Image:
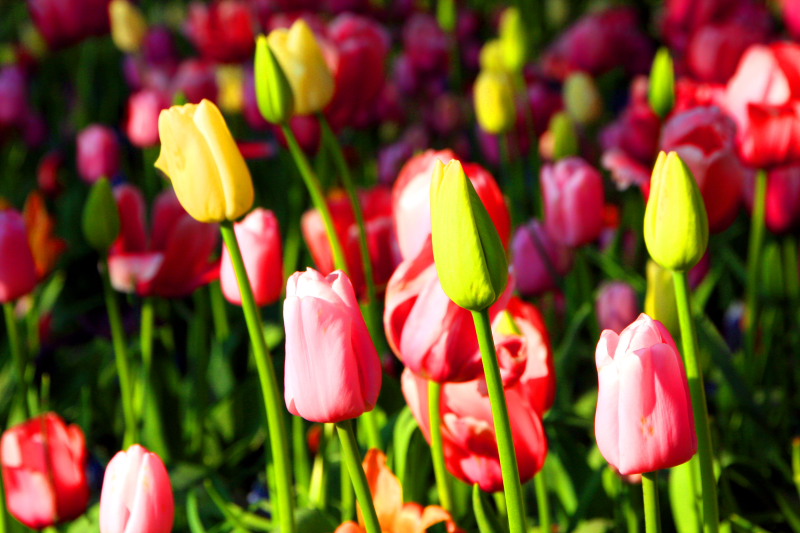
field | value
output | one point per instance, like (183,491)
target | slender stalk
(352,458)
(302,469)
(695,376)
(3,513)
(502,423)
(437,446)
(279,443)
(318,493)
(317,196)
(122,360)
(515,180)
(148,411)
(796,463)
(652,513)
(757,230)
(18,356)
(540,483)
(218,314)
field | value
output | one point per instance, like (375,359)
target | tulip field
(377,266)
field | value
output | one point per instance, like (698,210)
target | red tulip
(715,49)
(137,494)
(44,471)
(174,262)
(65,22)
(644,419)
(783,198)
(332,370)
(411,200)
(223,31)
(142,122)
(98,153)
(47,172)
(538,259)
(18,274)
(196,80)
(791,17)
(574,201)
(381,240)
(617,305)
(259,238)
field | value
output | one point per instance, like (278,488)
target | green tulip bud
(661,92)
(101,216)
(494,102)
(565,138)
(446,15)
(469,254)
(675,219)
(273,90)
(513,39)
(581,98)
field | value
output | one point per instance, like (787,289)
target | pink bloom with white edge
(332,370)
(644,420)
(137,494)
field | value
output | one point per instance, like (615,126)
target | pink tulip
(332,370)
(538,259)
(791,16)
(425,44)
(44,471)
(137,494)
(63,23)
(644,419)
(617,305)
(14,105)
(715,49)
(142,122)
(98,153)
(17,269)
(259,238)
(574,200)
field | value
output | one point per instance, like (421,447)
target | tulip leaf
(193,513)
(404,428)
(484,515)
(314,521)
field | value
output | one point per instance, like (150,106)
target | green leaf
(485,516)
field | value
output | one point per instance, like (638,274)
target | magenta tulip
(137,494)
(617,305)
(332,370)
(538,259)
(574,201)
(259,238)
(98,153)
(17,269)
(644,419)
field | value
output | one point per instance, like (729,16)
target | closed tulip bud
(300,56)
(101,217)
(137,494)
(644,420)
(469,254)
(513,39)
(675,220)
(491,57)
(583,102)
(565,138)
(661,92)
(574,201)
(273,91)
(617,305)
(98,153)
(230,88)
(659,300)
(446,14)
(332,370)
(494,102)
(201,158)
(128,25)
(18,268)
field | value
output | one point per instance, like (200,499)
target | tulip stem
(754,260)
(276,426)
(317,196)
(17,355)
(502,423)
(121,356)
(437,445)
(694,374)
(540,483)
(652,512)
(352,458)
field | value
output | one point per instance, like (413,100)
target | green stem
(652,513)
(146,337)
(3,513)
(269,385)
(796,463)
(218,314)
(502,423)
(515,180)
(122,360)
(317,196)
(302,470)
(695,376)
(437,445)
(352,458)
(18,356)
(543,502)
(757,231)
(318,493)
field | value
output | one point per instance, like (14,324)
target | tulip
(425,44)
(659,299)
(137,494)
(64,23)
(128,25)
(644,419)
(195,80)
(332,370)
(661,91)
(617,305)
(538,259)
(675,220)
(783,198)
(491,57)
(230,84)
(273,92)
(513,39)
(260,240)
(100,220)
(411,200)
(14,105)
(583,101)
(223,30)
(494,102)
(563,137)
(44,471)
(45,246)
(302,61)
(141,124)
(18,274)
(714,50)
(201,159)
(98,153)
(574,199)
(469,254)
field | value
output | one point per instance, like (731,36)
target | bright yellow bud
(302,61)
(491,58)
(230,83)
(675,219)
(128,26)
(201,158)
(513,39)
(494,102)
(469,254)
(582,100)
(659,300)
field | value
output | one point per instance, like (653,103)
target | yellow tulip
(494,102)
(201,158)
(513,39)
(491,57)
(230,80)
(302,61)
(128,26)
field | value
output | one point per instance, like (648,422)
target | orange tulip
(46,247)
